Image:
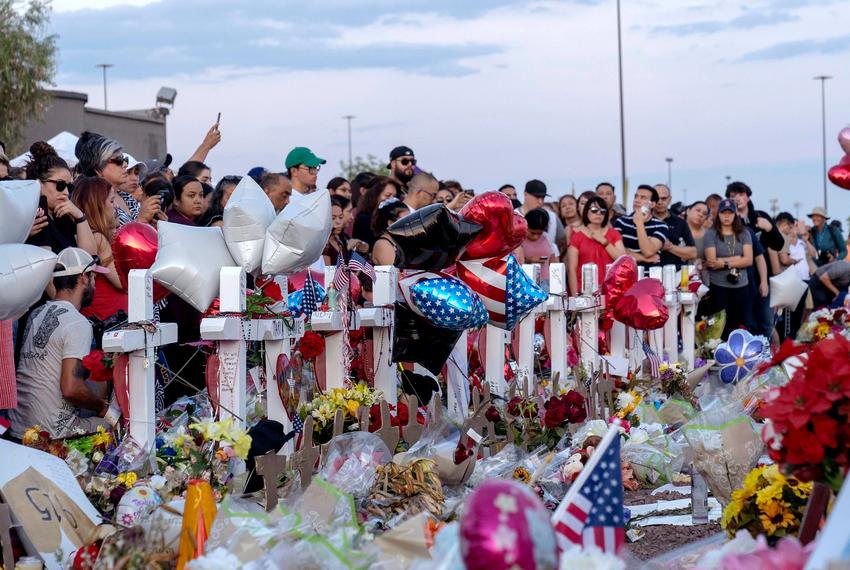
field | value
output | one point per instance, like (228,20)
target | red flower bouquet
(808,419)
(99,366)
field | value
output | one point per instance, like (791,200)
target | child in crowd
(535,249)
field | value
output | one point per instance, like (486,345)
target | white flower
(624,400)
(589,558)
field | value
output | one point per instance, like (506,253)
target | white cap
(74,261)
(133,163)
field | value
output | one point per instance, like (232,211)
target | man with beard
(51,379)
(402,165)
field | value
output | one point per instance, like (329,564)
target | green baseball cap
(303,155)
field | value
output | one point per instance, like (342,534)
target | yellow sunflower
(801,490)
(775,516)
(521,474)
(771,493)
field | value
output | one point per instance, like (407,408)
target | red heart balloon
(504,230)
(642,307)
(840,175)
(619,278)
(134,247)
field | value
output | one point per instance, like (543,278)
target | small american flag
(593,514)
(297,424)
(654,361)
(359,263)
(341,276)
(310,303)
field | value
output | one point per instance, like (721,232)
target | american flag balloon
(443,300)
(296,299)
(507,291)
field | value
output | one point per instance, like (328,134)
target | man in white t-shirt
(421,191)
(51,378)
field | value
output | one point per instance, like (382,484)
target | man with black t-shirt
(680,246)
(643,235)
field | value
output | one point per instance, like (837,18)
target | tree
(369,164)
(27,66)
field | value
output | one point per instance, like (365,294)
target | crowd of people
(735,247)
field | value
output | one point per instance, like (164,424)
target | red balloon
(618,279)
(642,307)
(504,230)
(134,247)
(845,159)
(840,175)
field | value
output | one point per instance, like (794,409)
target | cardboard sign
(47,502)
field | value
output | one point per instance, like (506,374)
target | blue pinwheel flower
(739,355)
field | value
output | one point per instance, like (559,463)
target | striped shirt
(655,228)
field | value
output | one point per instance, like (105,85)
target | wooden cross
(6,536)
(270,467)
(304,460)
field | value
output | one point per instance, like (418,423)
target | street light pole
(350,159)
(669,173)
(622,113)
(104,66)
(822,79)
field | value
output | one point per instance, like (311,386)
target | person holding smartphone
(63,223)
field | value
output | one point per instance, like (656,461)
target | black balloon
(431,238)
(415,339)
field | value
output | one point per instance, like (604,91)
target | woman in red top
(594,242)
(96,198)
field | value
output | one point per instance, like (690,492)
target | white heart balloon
(18,204)
(189,261)
(25,270)
(246,217)
(296,238)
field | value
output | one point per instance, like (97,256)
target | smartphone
(42,203)
(218,119)
(644,209)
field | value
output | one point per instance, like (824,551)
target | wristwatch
(80,220)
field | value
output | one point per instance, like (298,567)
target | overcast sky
(488,91)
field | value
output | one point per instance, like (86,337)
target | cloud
(746,21)
(797,48)
(188,36)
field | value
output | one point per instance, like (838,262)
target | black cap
(536,188)
(399,152)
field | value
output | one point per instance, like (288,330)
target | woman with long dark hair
(188,201)
(214,215)
(595,241)
(388,212)
(728,254)
(379,189)
(66,224)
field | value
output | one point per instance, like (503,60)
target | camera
(733,276)
(162,188)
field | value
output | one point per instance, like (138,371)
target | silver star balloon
(296,238)
(189,261)
(25,271)
(246,217)
(18,204)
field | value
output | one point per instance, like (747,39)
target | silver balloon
(25,271)
(296,238)
(246,217)
(189,261)
(18,204)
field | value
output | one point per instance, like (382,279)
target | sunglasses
(406,161)
(95,261)
(118,161)
(61,185)
(595,210)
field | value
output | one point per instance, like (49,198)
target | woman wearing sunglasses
(104,157)
(593,242)
(66,225)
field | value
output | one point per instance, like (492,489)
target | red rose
(556,413)
(94,363)
(517,407)
(492,414)
(461,454)
(312,344)
(272,291)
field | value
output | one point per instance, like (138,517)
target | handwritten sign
(47,502)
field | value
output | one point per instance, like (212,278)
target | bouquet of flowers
(99,365)
(707,334)
(674,380)
(626,404)
(324,407)
(821,324)
(206,450)
(808,419)
(533,426)
(768,503)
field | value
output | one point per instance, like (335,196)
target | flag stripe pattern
(654,361)
(595,515)
(358,263)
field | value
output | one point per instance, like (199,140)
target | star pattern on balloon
(523,294)
(448,303)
